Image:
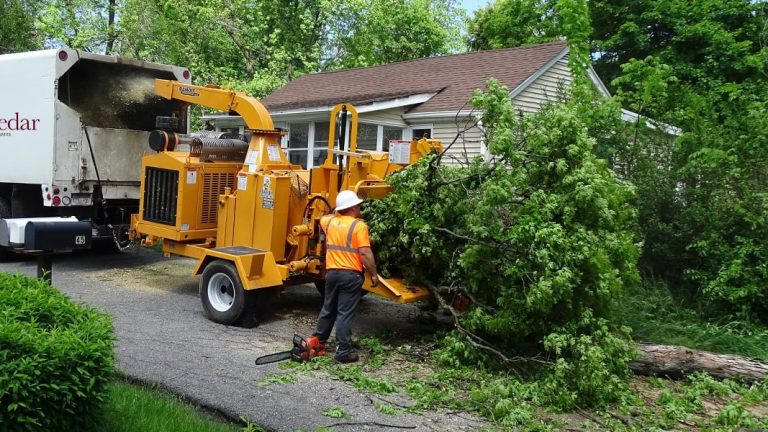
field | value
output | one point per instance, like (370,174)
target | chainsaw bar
(273,358)
(304,349)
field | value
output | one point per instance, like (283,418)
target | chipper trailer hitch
(248,215)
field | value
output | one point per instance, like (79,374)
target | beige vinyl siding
(467,147)
(546,88)
(392,116)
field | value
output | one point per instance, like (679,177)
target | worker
(348,255)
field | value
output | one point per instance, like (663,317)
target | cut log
(677,361)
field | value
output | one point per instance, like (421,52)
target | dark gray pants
(342,294)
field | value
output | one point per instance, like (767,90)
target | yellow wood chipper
(249,216)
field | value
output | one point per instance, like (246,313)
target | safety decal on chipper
(191,176)
(273,152)
(304,350)
(251,159)
(399,152)
(267,197)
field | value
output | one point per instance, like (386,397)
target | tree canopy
(702,67)
(510,23)
(255,45)
(372,32)
(18,30)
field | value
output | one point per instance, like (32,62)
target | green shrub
(56,357)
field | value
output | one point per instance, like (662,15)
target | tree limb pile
(677,361)
(669,361)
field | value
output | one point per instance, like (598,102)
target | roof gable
(453,78)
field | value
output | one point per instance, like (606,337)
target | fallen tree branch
(660,360)
(584,413)
(677,361)
(368,423)
(371,398)
(480,343)
(478,303)
(627,420)
(491,167)
(487,243)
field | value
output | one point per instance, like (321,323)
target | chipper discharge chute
(249,216)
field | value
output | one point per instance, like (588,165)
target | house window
(298,143)
(421,131)
(320,147)
(307,142)
(367,135)
(390,133)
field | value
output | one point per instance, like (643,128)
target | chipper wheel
(223,297)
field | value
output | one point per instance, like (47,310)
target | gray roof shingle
(454,78)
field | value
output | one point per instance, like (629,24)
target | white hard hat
(347,199)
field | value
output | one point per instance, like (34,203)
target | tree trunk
(111,34)
(677,361)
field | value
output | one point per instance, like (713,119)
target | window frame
(429,126)
(403,135)
(379,133)
(288,150)
(312,146)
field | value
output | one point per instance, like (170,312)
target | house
(411,99)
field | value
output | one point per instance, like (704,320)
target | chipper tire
(223,297)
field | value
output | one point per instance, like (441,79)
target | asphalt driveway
(163,338)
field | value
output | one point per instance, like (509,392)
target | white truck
(73,128)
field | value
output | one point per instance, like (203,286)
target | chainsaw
(304,349)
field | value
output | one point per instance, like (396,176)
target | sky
(472,5)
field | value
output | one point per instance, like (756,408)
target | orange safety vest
(344,236)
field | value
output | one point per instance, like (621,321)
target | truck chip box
(73,128)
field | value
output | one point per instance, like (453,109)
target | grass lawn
(133,408)
(656,315)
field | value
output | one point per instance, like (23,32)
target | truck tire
(5,212)
(223,297)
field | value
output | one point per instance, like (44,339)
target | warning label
(273,152)
(399,152)
(267,196)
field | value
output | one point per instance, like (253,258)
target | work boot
(350,357)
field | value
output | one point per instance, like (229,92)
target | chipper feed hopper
(249,216)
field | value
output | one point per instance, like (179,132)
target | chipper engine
(249,216)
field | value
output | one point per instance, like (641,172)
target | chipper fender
(230,279)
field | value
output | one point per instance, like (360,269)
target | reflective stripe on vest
(348,247)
